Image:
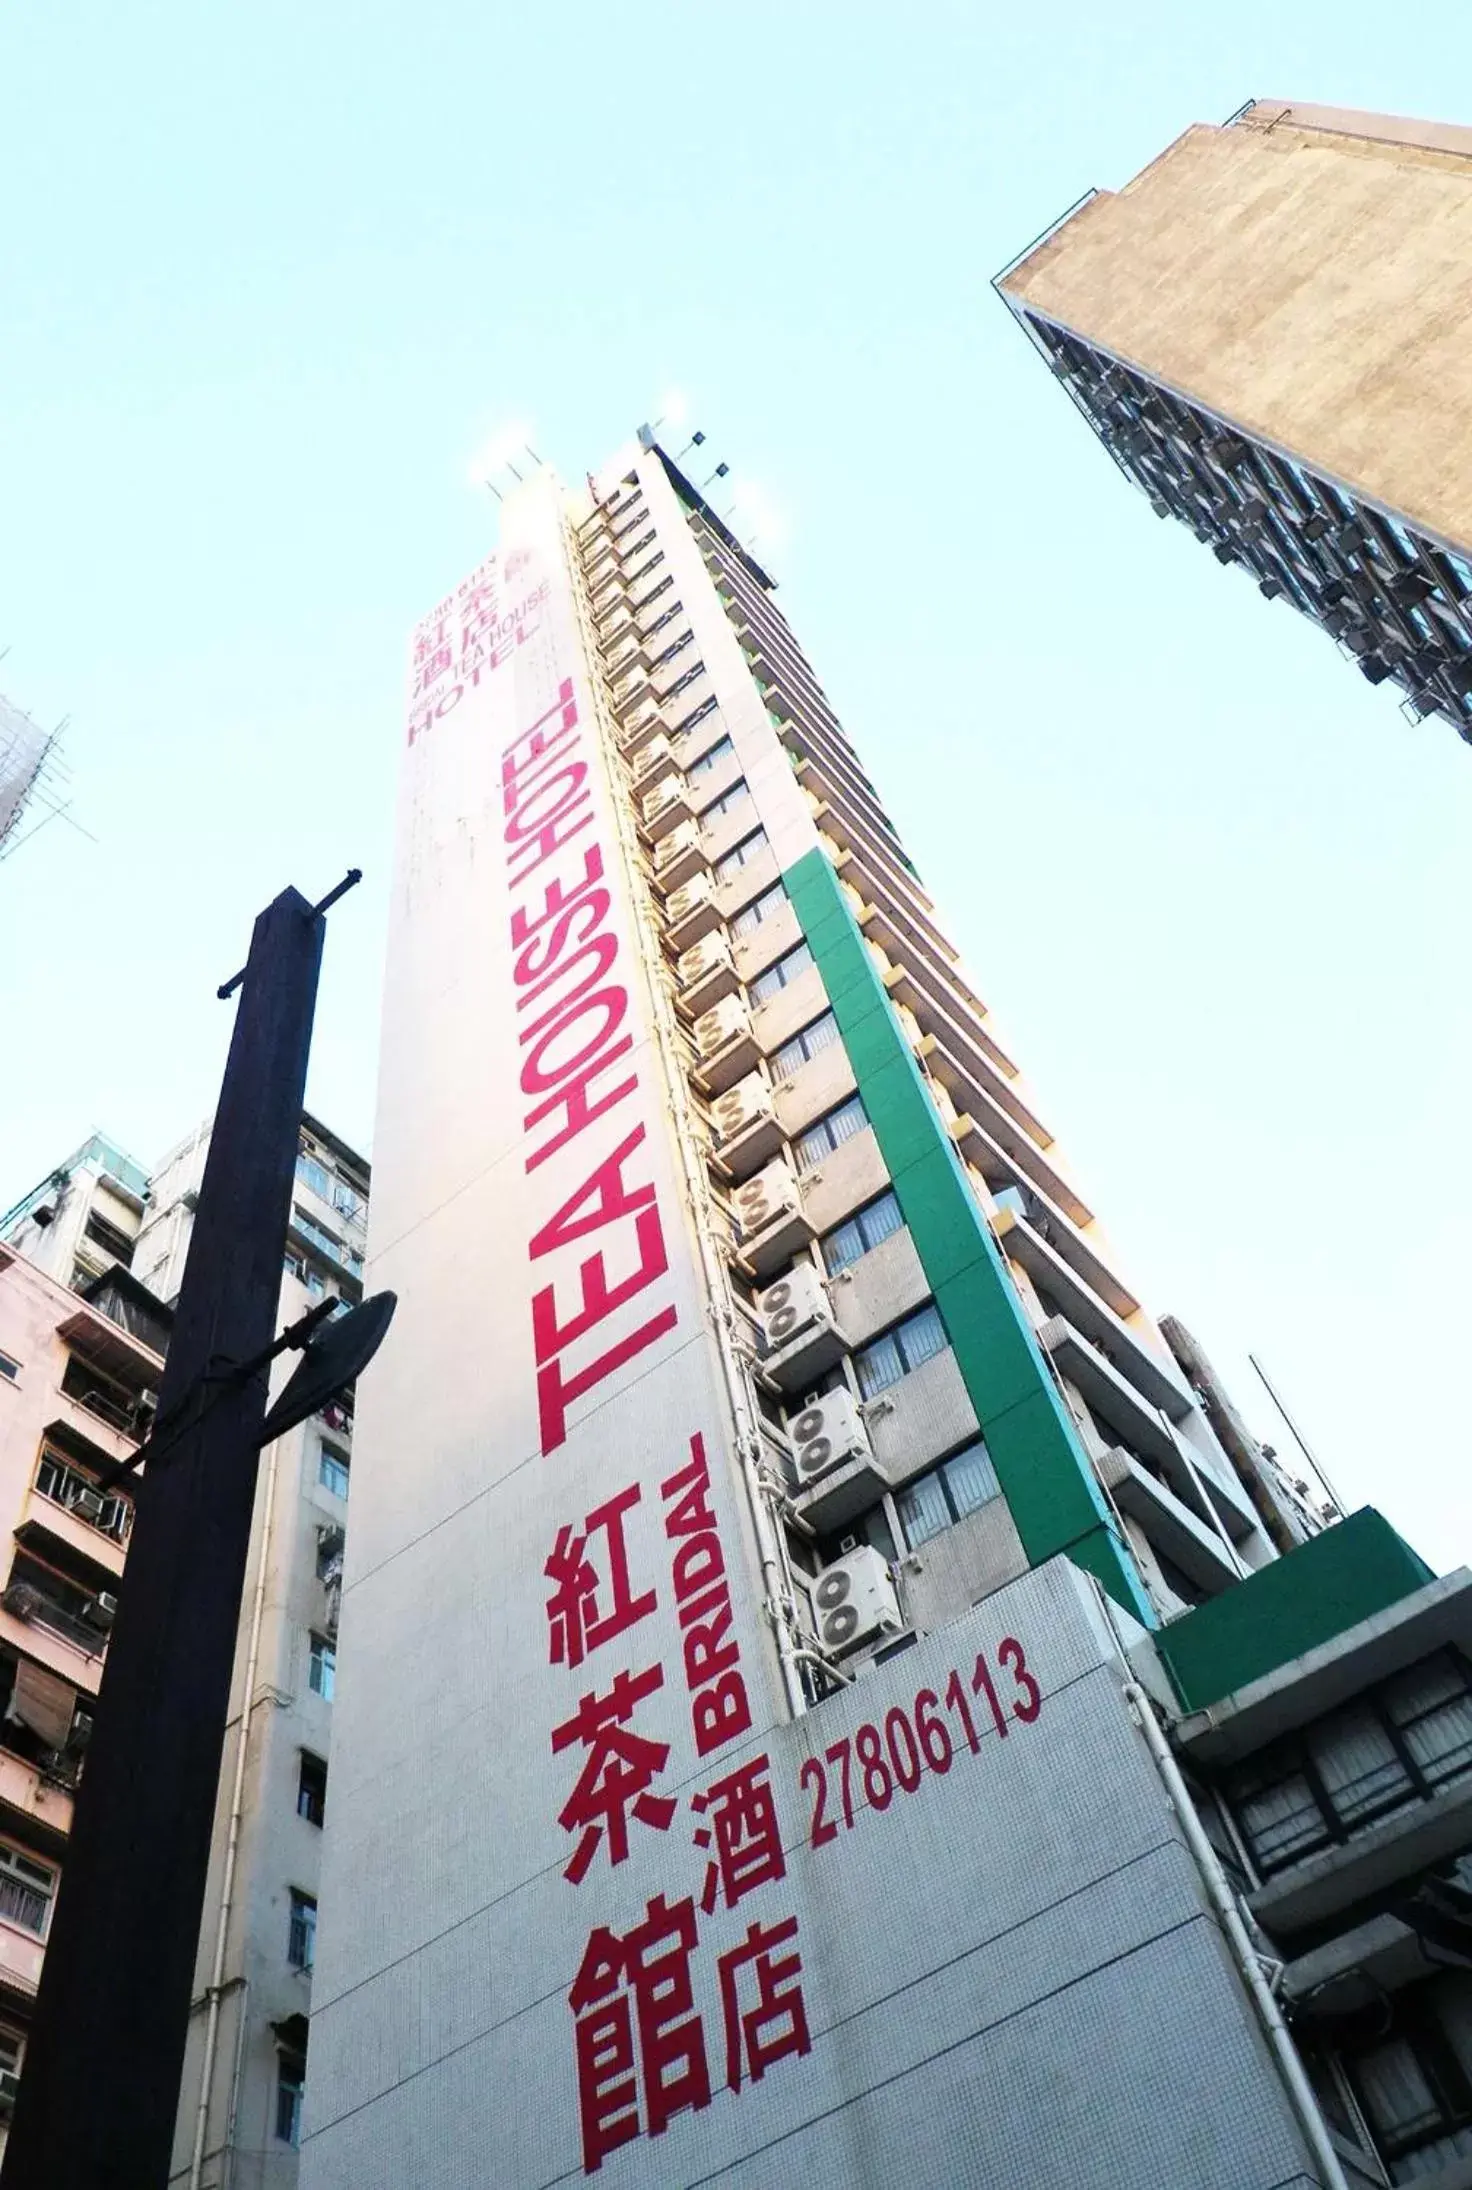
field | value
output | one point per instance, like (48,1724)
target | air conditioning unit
(706,973)
(748,1103)
(727,1049)
(720,1025)
(747,1131)
(826,1435)
(772,1194)
(81,1732)
(103,1609)
(684,837)
(793,1305)
(770,1217)
(658,754)
(90,1504)
(702,958)
(854,1602)
(802,1336)
(690,911)
(666,806)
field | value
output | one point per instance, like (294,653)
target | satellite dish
(340,1351)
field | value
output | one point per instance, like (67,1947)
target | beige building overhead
(1269,328)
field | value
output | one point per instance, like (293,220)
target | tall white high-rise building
(831,1691)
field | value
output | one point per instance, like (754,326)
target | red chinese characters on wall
(675,2006)
(473,632)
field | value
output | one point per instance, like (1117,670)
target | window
(652,595)
(720,807)
(1394,1745)
(666,616)
(332,1469)
(636,576)
(322,1668)
(798,1048)
(311,1789)
(9,1368)
(740,854)
(102,1394)
(108,1237)
(945,1495)
(829,1132)
(290,2077)
(696,714)
(1413,2079)
(683,683)
(27,1889)
(889,1358)
(315,1175)
(67,1486)
(301,1937)
(676,646)
(712,757)
(858,1233)
(777,976)
(297,1266)
(761,908)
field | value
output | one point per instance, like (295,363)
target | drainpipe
(1232,1433)
(1219,1893)
(232,1843)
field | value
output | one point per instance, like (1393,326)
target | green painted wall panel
(1041,1465)
(1296,1603)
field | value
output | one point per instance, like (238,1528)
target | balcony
(1395,1850)
(60,1532)
(984,1133)
(39,1626)
(109,1347)
(1153,1376)
(1112,1397)
(665,807)
(638,727)
(655,761)
(876,861)
(1196,1549)
(31,1792)
(21,1956)
(1061,1234)
(631,693)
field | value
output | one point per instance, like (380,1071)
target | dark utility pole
(104,2061)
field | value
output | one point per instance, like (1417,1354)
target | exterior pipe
(232,1844)
(1219,1893)
(697,1190)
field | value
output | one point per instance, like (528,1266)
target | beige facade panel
(1306,275)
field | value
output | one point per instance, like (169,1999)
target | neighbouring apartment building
(1267,328)
(832,1690)
(90,1263)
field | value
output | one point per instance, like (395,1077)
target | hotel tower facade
(808,1633)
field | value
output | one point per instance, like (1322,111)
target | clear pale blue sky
(271,275)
